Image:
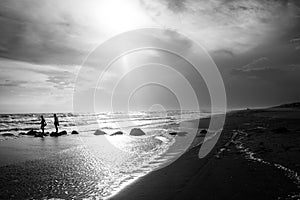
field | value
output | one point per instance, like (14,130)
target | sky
(44,46)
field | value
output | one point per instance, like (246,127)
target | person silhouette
(43,124)
(56,123)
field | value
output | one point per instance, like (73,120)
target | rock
(117,133)
(203,131)
(22,133)
(7,134)
(63,133)
(137,132)
(39,134)
(74,132)
(31,132)
(54,134)
(280,130)
(99,132)
(173,133)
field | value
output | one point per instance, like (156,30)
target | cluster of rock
(133,132)
(52,134)
(140,132)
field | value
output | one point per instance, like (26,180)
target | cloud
(262,69)
(261,73)
(27,77)
(296,42)
(25,87)
(44,32)
(260,63)
(62,32)
(43,42)
(10,83)
(236,26)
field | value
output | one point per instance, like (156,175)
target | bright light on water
(86,165)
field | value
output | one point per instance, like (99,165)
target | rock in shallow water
(117,133)
(31,132)
(99,132)
(74,132)
(63,133)
(54,134)
(137,132)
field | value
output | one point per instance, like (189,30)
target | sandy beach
(255,158)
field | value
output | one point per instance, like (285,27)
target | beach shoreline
(240,166)
(255,147)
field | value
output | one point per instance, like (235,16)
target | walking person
(43,124)
(56,123)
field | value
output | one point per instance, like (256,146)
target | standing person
(43,124)
(56,123)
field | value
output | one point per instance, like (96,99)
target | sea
(83,166)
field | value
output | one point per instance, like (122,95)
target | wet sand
(73,166)
(256,157)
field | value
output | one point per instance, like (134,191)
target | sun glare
(120,15)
